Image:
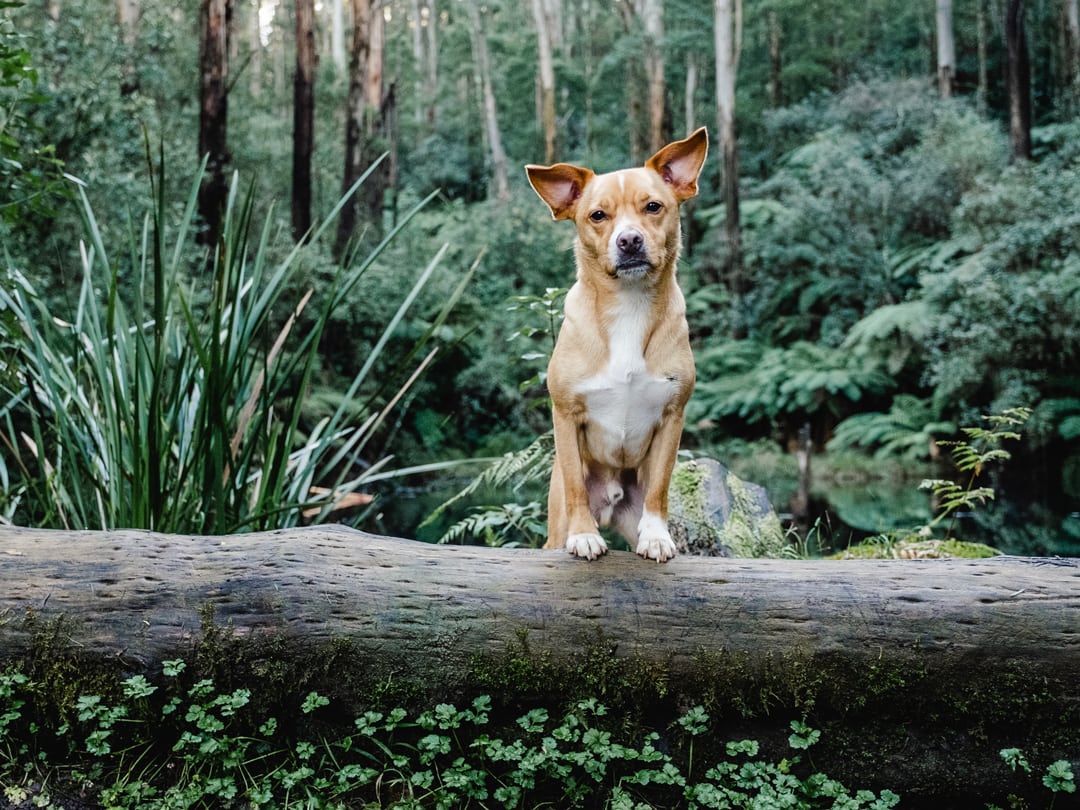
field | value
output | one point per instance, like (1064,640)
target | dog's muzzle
(631,258)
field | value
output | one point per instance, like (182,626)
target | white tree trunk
(652,19)
(727,18)
(547,78)
(946,48)
(499,169)
(337,35)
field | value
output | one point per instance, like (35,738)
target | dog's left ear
(680,163)
(559,186)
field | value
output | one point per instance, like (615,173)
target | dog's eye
(653,207)
(597,216)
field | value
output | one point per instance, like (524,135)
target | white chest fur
(624,402)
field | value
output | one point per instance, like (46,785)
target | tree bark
(547,79)
(1018,81)
(727,17)
(360,121)
(913,656)
(946,48)
(303,117)
(337,35)
(213,113)
(652,18)
(982,91)
(776,64)
(499,165)
(1072,56)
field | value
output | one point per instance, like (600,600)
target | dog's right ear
(560,186)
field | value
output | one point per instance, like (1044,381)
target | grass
(172,398)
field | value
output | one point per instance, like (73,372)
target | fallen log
(919,670)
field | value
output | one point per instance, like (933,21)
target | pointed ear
(680,163)
(559,186)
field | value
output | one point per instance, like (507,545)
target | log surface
(138,595)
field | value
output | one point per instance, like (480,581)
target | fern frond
(519,468)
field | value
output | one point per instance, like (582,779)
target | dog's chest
(624,402)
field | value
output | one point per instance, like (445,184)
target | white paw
(654,539)
(589,546)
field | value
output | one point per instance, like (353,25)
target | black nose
(630,242)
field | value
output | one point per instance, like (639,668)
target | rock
(713,512)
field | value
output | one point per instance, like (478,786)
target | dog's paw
(654,539)
(587,546)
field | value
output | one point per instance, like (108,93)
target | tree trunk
(127,18)
(337,35)
(727,16)
(356,117)
(547,79)
(499,171)
(1072,54)
(946,48)
(255,70)
(690,111)
(935,665)
(982,92)
(776,64)
(1018,81)
(652,18)
(213,114)
(303,117)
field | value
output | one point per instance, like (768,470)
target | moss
(912,548)
(752,529)
(751,532)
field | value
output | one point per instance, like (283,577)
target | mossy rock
(713,512)
(913,549)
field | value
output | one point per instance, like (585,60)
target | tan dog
(622,369)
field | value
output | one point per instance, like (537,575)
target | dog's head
(627,221)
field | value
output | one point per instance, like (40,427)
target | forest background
(885,247)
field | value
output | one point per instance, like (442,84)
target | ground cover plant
(186,744)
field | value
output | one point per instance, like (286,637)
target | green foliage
(30,172)
(1058,777)
(910,430)
(195,746)
(982,447)
(753,382)
(181,410)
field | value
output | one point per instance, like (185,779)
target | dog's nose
(630,242)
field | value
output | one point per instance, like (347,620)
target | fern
(533,463)
(508,525)
(908,430)
(972,456)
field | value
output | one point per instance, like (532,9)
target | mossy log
(919,668)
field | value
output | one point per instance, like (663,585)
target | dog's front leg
(653,537)
(570,522)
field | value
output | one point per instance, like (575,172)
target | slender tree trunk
(500,176)
(1018,81)
(432,31)
(690,117)
(417,31)
(377,124)
(52,8)
(547,79)
(337,35)
(303,117)
(255,43)
(127,17)
(354,120)
(652,18)
(213,113)
(635,81)
(982,91)
(1072,51)
(946,48)
(728,35)
(776,39)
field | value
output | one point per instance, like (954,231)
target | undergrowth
(189,745)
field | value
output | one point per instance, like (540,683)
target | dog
(622,370)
